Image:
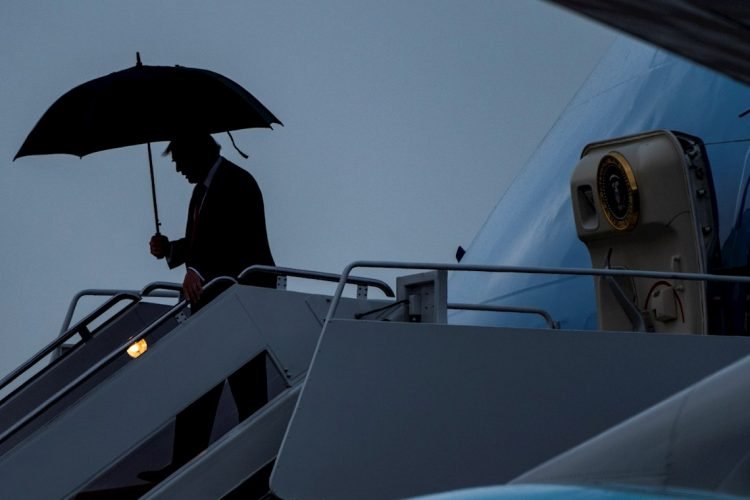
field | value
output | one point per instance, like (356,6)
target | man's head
(193,155)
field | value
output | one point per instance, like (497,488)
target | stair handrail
(105,292)
(104,361)
(570,271)
(80,327)
(169,289)
(318,276)
(511,309)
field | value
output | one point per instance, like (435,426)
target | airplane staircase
(392,409)
(27,389)
(367,398)
(89,434)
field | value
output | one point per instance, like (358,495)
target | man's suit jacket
(229,233)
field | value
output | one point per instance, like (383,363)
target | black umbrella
(144,104)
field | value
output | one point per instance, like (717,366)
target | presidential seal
(618,191)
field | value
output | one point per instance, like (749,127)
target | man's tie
(199,192)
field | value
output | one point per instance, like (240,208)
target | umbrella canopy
(143,104)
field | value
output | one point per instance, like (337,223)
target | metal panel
(235,457)
(61,372)
(108,418)
(291,322)
(132,403)
(393,410)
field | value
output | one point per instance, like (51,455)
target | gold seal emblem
(618,191)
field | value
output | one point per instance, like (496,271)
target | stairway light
(137,348)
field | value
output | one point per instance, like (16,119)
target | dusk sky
(404,122)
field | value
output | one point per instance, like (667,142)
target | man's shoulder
(233,175)
(230,169)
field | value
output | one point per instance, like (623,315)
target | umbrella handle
(153,189)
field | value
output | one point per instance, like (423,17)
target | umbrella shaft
(153,189)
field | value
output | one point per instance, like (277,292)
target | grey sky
(404,122)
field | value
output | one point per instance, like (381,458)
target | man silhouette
(226,227)
(225,233)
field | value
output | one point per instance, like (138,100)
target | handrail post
(339,291)
(71,309)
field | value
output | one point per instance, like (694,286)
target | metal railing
(79,328)
(156,289)
(149,290)
(82,326)
(522,270)
(510,309)
(343,279)
(160,289)
(120,350)
(318,276)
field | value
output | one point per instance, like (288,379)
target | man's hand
(159,246)
(191,286)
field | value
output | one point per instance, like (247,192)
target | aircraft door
(647,202)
